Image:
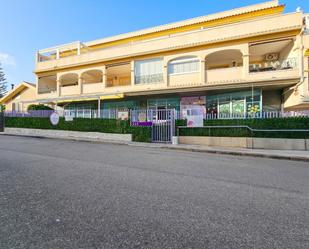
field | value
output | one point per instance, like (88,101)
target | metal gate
(1,121)
(162,122)
(163,125)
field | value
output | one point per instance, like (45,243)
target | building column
(57,54)
(245,61)
(99,107)
(165,71)
(78,48)
(37,86)
(301,64)
(132,73)
(165,75)
(80,84)
(203,72)
(246,65)
(58,86)
(104,79)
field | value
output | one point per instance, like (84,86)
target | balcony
(69,90)
(92,81)
(274,59)
(118,81)
(85,55)
(224,75)
(47,86)
(149,79)
(46,90)
(118,75)
(93,88)
(276,65)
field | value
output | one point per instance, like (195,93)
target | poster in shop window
(195,116)
(187,103)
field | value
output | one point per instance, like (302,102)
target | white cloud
(7,59)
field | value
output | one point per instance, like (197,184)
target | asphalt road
(67,194)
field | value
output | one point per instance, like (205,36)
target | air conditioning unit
(272,57)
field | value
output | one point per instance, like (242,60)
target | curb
(171,147)
(249,154)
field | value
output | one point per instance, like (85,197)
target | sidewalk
(295,155)
(275,154)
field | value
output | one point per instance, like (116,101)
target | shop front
(234,105)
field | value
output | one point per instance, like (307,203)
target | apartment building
(241,61)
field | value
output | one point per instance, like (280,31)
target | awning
(81,99)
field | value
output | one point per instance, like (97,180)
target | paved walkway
(275,154)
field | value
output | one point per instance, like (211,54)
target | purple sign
(145,123)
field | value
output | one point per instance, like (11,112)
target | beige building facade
(245,60)
(20,97)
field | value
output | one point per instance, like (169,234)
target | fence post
(1,121)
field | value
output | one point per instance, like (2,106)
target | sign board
(123,115)
(188,103)
(195,116)
(199,100)
(68,118)
(54,118)
(142,117)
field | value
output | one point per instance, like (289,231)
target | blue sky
(27,26)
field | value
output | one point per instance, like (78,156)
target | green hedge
(38,107)
(139,134)
(275,123)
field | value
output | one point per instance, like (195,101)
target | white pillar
(37,58)
(104,76)
(58,86)
(245,61)
(246,65)
(132,73)
(99,107)
(78,48)
(165,75)
(80,84)
(37,85)
(57,54)
(203,72)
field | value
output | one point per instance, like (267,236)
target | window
(184,65)
(235,104)
(149,71)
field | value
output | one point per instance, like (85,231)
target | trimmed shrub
(267,124)
(38,107)
(139,134)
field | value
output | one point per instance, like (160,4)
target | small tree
(3,89)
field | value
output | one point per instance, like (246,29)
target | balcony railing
(70,90)
(150,78)
(286,64)
(43,90)
(121,82)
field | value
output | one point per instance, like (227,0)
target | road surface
(69,194)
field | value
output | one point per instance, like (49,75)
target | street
(80,195)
